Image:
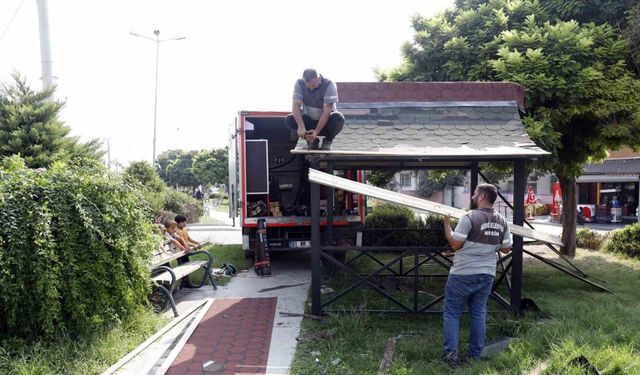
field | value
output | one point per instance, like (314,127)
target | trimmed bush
(625,241)
(181,203)
(74,250)
(429,232)
(589,239)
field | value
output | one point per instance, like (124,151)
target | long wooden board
(416,203)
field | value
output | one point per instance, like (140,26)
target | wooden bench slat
(180,271)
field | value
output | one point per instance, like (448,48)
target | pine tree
(30,127)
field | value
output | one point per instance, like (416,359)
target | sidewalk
(289,284)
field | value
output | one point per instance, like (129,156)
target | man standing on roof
(317,96)
(479,235)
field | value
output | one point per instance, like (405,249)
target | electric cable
(12,19)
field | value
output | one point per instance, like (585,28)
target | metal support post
(330,208)
(474,180)
(519,185)
(316,281)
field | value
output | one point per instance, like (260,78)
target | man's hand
(311,135)
(505,250)
(447,221)
(302,132)
(448,233)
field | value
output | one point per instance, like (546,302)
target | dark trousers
(331,129)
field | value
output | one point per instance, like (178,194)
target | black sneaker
(313,145)
(450,359)
(326,145)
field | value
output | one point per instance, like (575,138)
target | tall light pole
(45,43)
(157,40)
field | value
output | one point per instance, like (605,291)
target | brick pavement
(234,333)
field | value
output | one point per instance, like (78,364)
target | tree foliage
(142,172)
(433,181)
(74,249)
(175,167)
(211,167)
(30,127)
(583,97)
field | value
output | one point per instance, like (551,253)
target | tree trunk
(569,208)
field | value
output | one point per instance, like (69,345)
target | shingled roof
(433,119)
(627,166)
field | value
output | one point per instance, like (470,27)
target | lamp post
(157,40)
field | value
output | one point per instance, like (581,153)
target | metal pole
(474,180)
(316,303)
(520,180)
(45,43)
(155,101)
(330,208)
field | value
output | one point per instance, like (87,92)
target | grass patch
(602,327)
(223,206)
(223,254)
(81,356)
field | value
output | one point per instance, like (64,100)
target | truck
(267,181)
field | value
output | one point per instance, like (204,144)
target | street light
(157,40)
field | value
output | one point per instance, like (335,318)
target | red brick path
(234,333)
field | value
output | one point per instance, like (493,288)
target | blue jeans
(461,290)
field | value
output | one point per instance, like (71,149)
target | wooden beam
(416,203)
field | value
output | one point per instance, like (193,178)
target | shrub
(74,250)
(589,239)
(429,232)
(182,203)
(625,241)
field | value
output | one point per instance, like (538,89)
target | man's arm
(507,241)
(297,115)
(191,240)
(326,112)
(448,233)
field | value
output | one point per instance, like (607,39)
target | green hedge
(625,241)
(181,203)
(429,232)
(589,239)
(74,250)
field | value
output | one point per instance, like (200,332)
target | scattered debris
(315,353)
(211,367)
(279,287)
(540,368)
(314,317)
(584,363)
(544,321)
(326,290)
(314,335)
(496,346)
(336,361)
(387,357)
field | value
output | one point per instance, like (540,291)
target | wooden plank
(151,339)
(185,337)
(166,259)
(180,271)
(416,203)
(387,356)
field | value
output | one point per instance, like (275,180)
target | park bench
(167,278)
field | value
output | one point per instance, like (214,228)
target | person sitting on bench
(181,221)
(170,233)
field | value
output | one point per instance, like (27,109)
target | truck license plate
(299,244)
